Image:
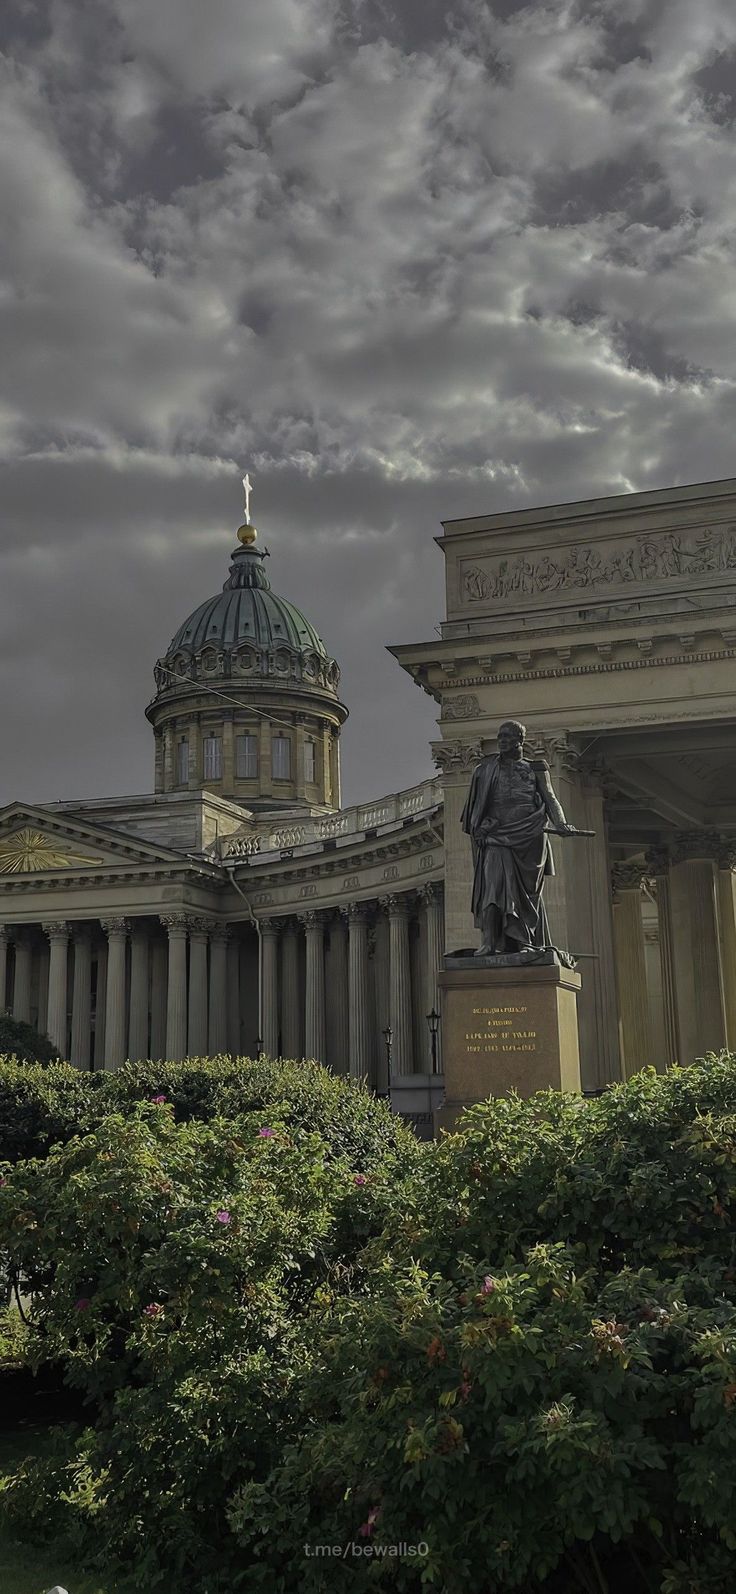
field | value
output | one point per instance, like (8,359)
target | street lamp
(433,1020)
(388,1036)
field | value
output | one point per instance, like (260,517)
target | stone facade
(197,919)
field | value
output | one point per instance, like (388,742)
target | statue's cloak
(511,861)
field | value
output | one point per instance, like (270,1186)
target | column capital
(554,748)
(270,926)
(695,845)
(398,905)
(175,923)
(726,854)
(456,757)
(219,932)
(629,875)
(5,932)
(56,928)
(312,919)
(658,860)
(356,912)
(199,925)
(433,892)
(116,926)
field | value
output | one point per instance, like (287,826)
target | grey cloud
(404,268)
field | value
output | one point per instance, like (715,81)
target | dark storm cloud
(401,260)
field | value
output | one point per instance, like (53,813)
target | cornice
(555,674)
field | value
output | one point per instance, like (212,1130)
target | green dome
(247,611)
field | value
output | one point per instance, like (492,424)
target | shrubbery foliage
(19,1039)
(516,1347)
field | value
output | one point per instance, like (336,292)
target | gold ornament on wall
(27,851)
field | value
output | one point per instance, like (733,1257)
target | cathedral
(241,908)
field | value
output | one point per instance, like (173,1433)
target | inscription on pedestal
(507,1029)
(500,1028)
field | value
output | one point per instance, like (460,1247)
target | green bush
(18,1039)
(41,1107)
(517,1348)
(172,1270)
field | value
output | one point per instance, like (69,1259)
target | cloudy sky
(403,260)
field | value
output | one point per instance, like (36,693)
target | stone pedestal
(504,1029)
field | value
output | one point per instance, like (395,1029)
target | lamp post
(433,1020)
(388,1036)
(259,1044)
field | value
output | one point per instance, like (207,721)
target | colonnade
(350,987)
(674,913)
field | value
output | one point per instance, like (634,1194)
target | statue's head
(511,737)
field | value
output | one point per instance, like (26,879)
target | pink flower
(152,1310)
(360,1178)
(3,1181)
(266,1134)
(223,1216)
(82,1304)
(367,1527)
(488,1285)
(158,1100)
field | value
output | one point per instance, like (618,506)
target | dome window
(246,756)
(212,757)
(182,762)
(310,763)
(281,758)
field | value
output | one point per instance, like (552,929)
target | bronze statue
(510,810)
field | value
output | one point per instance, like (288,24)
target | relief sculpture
(650,558)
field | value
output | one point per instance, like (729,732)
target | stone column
(82,997)
(358,1010)
(726,887)
(265,775)
(44,962)
(115,1025)
(217,1031)
(4,938)
(290,1015)
(402,1059)
(314,930)
(22,981)
(169,771)
(138,1027)
(269,1021)
(233,995)
(196,769)
(228,752)
(382,1007)
(176,1000)
(58,934)
(98,1055)
(698,976)
(432,898)
(456,760)
(197,1026)
(658,866)
(579,907)
(634,1024)
(158,761)
(159,980)
(337,1011)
